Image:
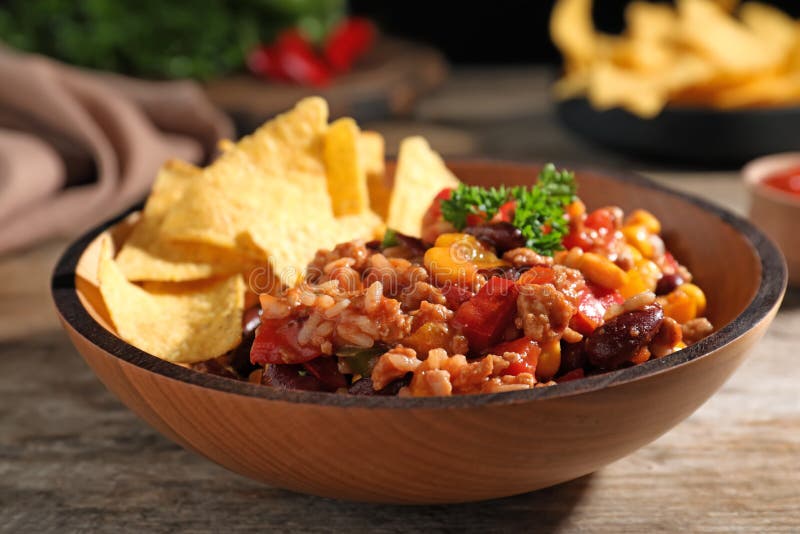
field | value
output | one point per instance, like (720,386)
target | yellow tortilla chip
(573,32)
(771,24)
(347,177)
(147,255)
(420,176)
(181,323)
(723,40)
(371,150)
(646,21)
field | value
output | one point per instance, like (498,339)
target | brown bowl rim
(768,295)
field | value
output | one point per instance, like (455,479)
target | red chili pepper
(486,316)
(299,61)
(276,342)
(264,61)
(524,346)
(348,42)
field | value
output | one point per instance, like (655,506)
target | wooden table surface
(72,458)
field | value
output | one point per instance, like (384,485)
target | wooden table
(73,458)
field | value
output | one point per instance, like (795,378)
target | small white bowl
(776,212)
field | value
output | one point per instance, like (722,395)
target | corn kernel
(697,295)
(650,273)
(602,271)
(638,236)
(634,252)
(444,267)
(634,285)
(646,219)
(679,306)
(549,361)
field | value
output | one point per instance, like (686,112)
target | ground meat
(569,281)
(668,335)
(696,329)
(525,257)
(398,276)
(354,253)
(543,312)
(419,293)
(393,365)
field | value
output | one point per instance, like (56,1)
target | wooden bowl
(776,212)
(456,449)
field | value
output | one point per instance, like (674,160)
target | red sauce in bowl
(787,181)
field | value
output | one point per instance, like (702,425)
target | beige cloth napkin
(78,146)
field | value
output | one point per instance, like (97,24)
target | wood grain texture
(73,458)
(448,450)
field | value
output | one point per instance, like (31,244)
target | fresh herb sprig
(468,200)
(539,212)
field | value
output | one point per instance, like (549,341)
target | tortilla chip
(573,32)
(347,177)
(421,175)
(723,40)
(148,255)
(181,323)
(371,150)
(646,21)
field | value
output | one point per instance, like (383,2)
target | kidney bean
(502,236)
(413,244)
(573,356)
(668,283)
(618,340)
(364,387)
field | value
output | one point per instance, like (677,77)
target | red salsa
(787,180)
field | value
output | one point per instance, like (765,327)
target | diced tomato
(602,222)
(592,306)
(475,219)
(577,237)
(456,295)
(349,41)
(326,370)
(524,346)
(505,213)
(276,342)
(485,316)
(572,375)
(538,274)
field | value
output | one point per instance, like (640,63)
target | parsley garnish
(469,199)
(539,213)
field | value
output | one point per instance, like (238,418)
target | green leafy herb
(467,200)
(389,239)
(539,212)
